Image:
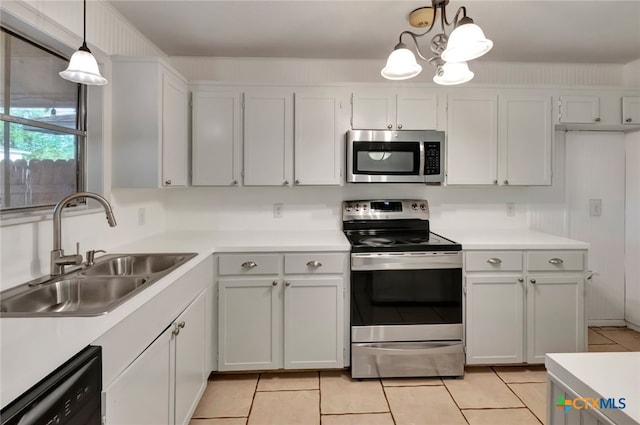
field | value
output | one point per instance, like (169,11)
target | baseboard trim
(607,322)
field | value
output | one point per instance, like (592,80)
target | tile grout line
(384,392)
(518,397)
(253,399)
(454,400)
(319,399)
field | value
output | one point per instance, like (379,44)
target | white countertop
(476,239)
(31,348)
(606,375)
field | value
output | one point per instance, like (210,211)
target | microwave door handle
(421,169)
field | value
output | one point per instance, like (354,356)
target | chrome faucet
(58,259)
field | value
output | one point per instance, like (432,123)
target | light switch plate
(595,207)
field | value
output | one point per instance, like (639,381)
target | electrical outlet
(511,209)
(595,207)
(277,210)
(142,216)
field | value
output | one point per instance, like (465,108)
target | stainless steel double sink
(92,290)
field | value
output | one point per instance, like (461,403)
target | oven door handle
(404,349)
(441,260)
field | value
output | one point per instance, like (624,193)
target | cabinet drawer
(314,263)
(482,261)
(248,264)
(555,260)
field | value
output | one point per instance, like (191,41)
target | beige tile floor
(487,395)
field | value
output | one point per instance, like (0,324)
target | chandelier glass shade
(450,52)
(83,67)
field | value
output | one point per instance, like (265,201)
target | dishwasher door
(70,395)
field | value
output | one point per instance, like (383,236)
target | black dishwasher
(70,395)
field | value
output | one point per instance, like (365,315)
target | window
(42,123)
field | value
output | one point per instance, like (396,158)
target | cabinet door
(141,395)
(525,140)
(472,139)
(555,315)
(216,139)
(416,110)
(373,110)
(579,109)
(313,323)
(631,110)
(268,138)
(190,372)
(318,138)
(174,131)
(249,324)
(495,319)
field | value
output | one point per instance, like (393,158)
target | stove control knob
(423,207)
(364,207)
(414,206)
(357,207)
(348,207)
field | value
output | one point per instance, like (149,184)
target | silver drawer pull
(494,260)
(556,261)
(314,264)
(249,265)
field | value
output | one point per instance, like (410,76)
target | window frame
(27,213)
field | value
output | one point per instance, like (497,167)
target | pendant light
(83,67)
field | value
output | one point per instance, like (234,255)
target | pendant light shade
(401,64)
(452,73)
(466,43)
(83,67)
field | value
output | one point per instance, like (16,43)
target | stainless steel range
(406,292)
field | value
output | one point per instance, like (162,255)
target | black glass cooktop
(390,241)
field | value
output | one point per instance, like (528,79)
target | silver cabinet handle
(628,120)
(168,182)
(287,283)
(314,264)
(176,329)
(494,260)
(532,281)
(399,126)
(556,261)
(286,182)
(495,182)
(274,283)
(506,182)
(390,126)
(597,119)
(249,265)
(234,183)
(182,324)
(520,280)
(297,181)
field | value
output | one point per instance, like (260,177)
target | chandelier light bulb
(466,42)
(83,69)
(452,73)
(401,64)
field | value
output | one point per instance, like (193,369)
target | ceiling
(605,31)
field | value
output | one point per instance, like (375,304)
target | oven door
(417,295)
(385,162)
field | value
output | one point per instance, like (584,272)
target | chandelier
(450,52)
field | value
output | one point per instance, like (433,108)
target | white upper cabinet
(472,139)
(525,140)
(150,124)
(579,109)
(631,110)
(268,137)
(319,134)
(499,140)
(216,138)
(389,109)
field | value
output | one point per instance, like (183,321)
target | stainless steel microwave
(385,156)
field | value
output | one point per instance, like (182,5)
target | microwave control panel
(431,158)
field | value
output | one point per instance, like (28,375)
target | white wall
(632,223)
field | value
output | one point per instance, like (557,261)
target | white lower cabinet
(281,319)
(164,384)
(522,305)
